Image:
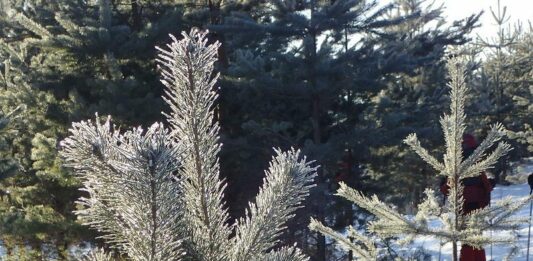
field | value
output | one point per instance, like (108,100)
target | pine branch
(187,69)
(414,143)
(286,184)
(138,204)
(284,254)
(130,180)
(496,132)
(473,170)
(98,255)
(368,252)
(32,26)
(6,47)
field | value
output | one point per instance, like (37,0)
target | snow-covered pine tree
(155,194)
(455,227)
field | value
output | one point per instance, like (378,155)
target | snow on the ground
(432,245)
(443,253)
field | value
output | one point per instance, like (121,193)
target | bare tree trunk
(136,15)
(454,251)
(215,18)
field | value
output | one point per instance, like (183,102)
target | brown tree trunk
(215,18)
(136,15)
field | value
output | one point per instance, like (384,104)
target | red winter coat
(476,194)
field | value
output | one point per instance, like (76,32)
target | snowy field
(432,246)
(498,251)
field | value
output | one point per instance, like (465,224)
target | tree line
(345,81)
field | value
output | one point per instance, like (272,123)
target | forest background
(344,80)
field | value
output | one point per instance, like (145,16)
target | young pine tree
(156,194)
(505,79)
(455,225)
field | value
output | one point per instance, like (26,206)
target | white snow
(497,252)
(431,245)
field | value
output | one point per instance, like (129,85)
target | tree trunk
(350,213)
(214,19)
(136,15)
(454,251)
(321,187)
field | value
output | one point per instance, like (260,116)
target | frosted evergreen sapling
(157,195)
(454,226)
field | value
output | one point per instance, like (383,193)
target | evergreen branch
(428,208)
(389,222)
(284,254)
(497,131)
(32,26)
(6,47)
(498,216)
(67,24)
(98,255)
(478,240)
(286,185)
(453,124)
(501,150)
(368,252)
(187,72)
(413,142)
(126,175)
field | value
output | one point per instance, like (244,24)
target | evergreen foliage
(174,175)
(520,75)
(343,80)
(309,72)
(98,255)
(8,166)
(66,60)
(455,225)
(504,80)
(410,101)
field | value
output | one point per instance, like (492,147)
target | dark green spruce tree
(304,72)
(410,97)
(66,60)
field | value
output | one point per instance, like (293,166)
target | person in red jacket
(476,195)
